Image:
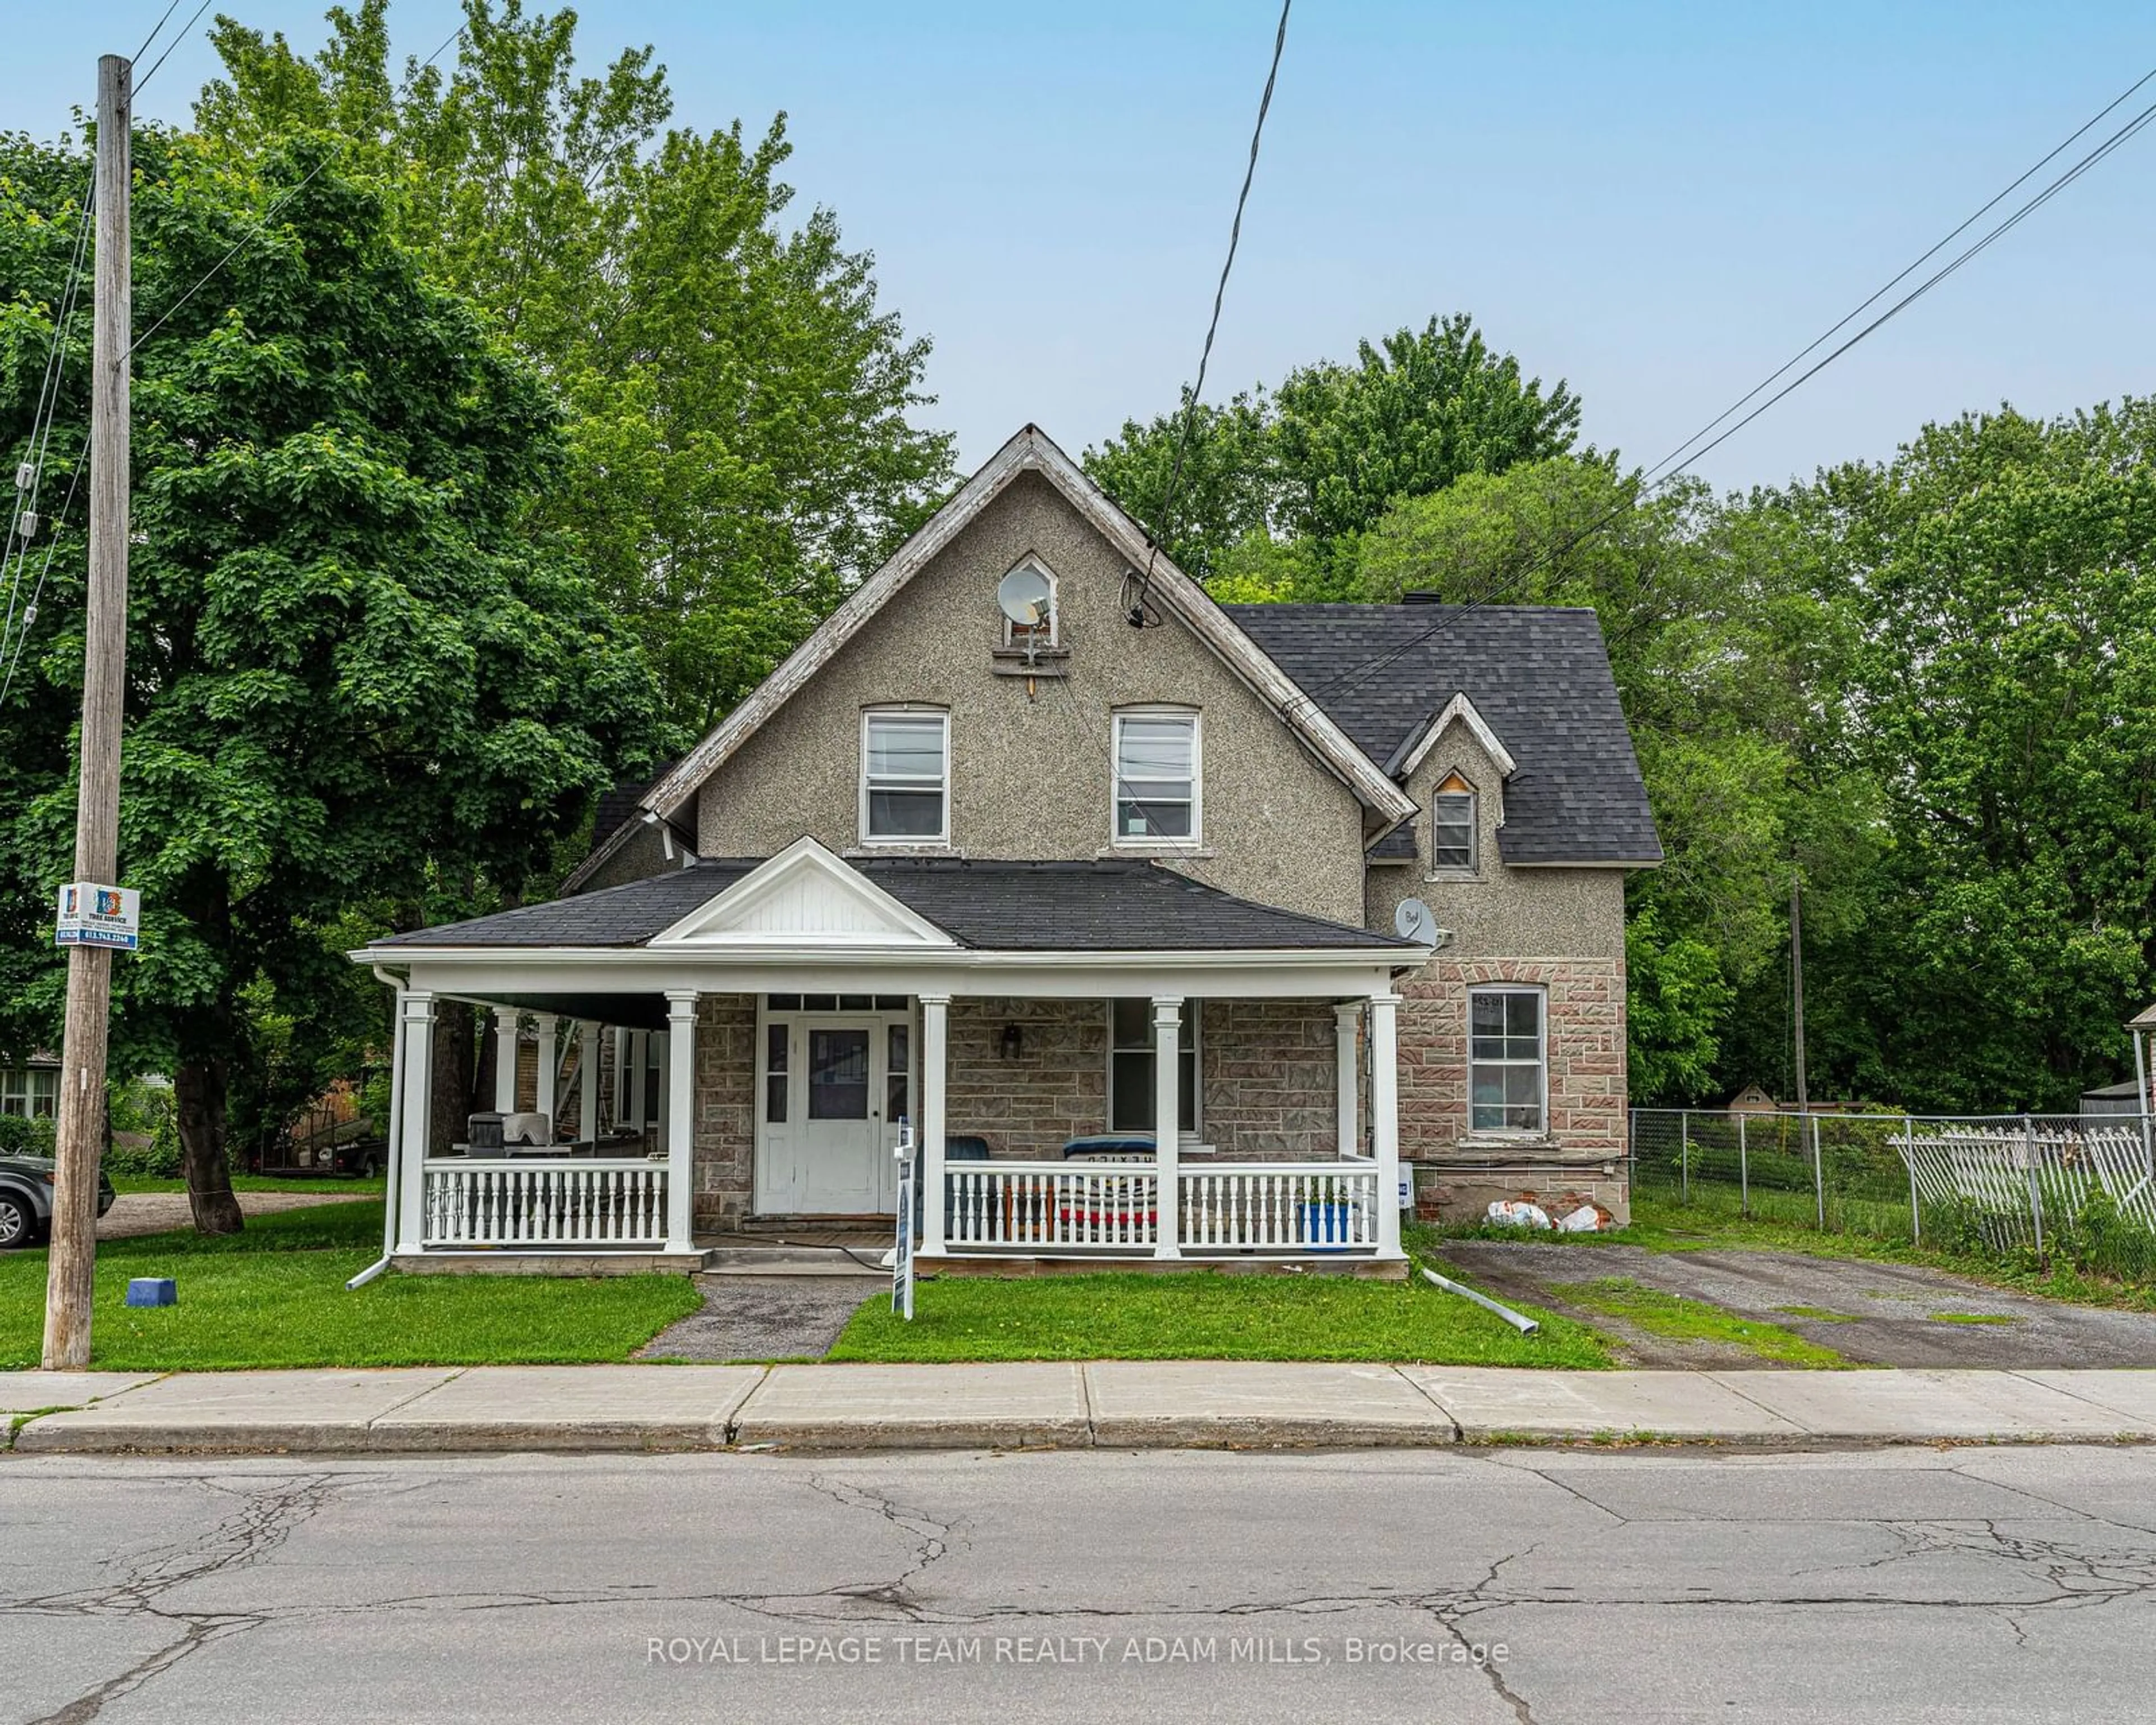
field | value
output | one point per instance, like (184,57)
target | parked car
(26,1198)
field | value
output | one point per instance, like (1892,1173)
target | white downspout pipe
(396,1134)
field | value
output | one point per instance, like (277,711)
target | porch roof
(1113,906)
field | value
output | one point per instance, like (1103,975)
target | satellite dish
(1413,922)
(1026,597)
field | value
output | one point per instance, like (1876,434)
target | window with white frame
(1157,777)
(1032,584)
(32,1090)
(1453,826)
(1132,1064)
(905,771)
(1506,1064)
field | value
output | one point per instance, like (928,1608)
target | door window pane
(895,1066)
(775,1073)
(838,1075)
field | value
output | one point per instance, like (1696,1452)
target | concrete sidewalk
(1108,1404)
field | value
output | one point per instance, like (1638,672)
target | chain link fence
(2026,1187)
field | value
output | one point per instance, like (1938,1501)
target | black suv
(26,1198)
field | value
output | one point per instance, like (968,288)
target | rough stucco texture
(1030,771)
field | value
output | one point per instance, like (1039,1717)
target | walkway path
(1108,1404)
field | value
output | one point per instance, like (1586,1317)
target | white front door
(827,1086)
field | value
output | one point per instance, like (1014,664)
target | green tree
(357,677)
(740,441)
(1725,659)
(1325,455)
(2002,572)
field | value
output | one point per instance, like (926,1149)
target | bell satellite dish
(1413,921)
(1025,597)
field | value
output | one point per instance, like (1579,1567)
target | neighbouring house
(1753,1098)
(1100,890)
(30,1084)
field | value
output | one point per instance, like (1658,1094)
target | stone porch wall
(726,1110)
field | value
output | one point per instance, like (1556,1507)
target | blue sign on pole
(901,1261)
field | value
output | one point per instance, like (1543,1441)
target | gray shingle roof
(1111,906)
(1539,675)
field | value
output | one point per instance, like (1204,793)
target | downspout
(396,1136)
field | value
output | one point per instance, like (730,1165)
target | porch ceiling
(632,1011)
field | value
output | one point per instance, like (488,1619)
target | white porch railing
(1065,1205)
(532,1201)
(1280,1207)
(1113,1208)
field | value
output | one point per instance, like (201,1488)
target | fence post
(1818,1175)
(1744,1165)
(1909,1153)
(2028,1167)
(1684,1156)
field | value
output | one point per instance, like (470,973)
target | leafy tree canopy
(740,449)
(357,675)
(1323,457)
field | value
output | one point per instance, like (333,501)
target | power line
(1166,518)
(172,7)
(262,223)
(186,30)
(1691,454)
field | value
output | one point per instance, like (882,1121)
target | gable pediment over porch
(804,896)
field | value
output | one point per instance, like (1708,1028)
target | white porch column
(505,1059)
(414,1055)
(587,1081)
(930,1127)
(679,1053)
(545,1099)
(1385,1118)
(1347,1021)
(1166,1120)
(639,1058)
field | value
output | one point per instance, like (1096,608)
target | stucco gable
(1031,451)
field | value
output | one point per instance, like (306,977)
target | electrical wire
(1642,487)
(186,30)
(172,7)
(1165,521)
(261,224)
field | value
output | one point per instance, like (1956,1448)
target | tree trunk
(452,1103)
(198,1096)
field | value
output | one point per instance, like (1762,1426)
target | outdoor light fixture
(1014,1041)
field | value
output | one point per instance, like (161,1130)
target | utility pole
(1797,986)
(71,1276)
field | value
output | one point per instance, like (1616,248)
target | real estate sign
(94,915)
(901,1257)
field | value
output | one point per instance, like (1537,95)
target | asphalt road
(1904,1586)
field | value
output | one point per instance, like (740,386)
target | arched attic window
(1455,826)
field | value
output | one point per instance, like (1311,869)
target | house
(1753,1098)
(30,1084)
(1032,847)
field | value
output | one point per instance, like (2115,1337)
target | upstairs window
(905,771)
(1157,778)
(1453,826)
(1507,1071)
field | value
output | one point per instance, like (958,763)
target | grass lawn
(274,1296)
(1662,1225)
(1202,1315)
(1672,1315)
(255,1183)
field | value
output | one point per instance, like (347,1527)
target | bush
(22,1136)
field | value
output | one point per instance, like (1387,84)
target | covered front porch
(742,1062)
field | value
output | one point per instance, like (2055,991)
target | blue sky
(1658,202)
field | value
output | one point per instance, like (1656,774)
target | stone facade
(726,1110)
(1270,1070)
(1054,1089)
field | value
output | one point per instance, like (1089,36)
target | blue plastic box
(153,1291)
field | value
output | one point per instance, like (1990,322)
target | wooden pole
(71,1273)
(1797,987)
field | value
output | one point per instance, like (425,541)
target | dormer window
(1454,829)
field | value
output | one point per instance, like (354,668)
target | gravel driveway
(1885,1314)
(137,1212)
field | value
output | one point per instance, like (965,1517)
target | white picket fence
(2017,1180)
(555,1201)
(1114,1208)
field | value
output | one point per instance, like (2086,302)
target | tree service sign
(92,915)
